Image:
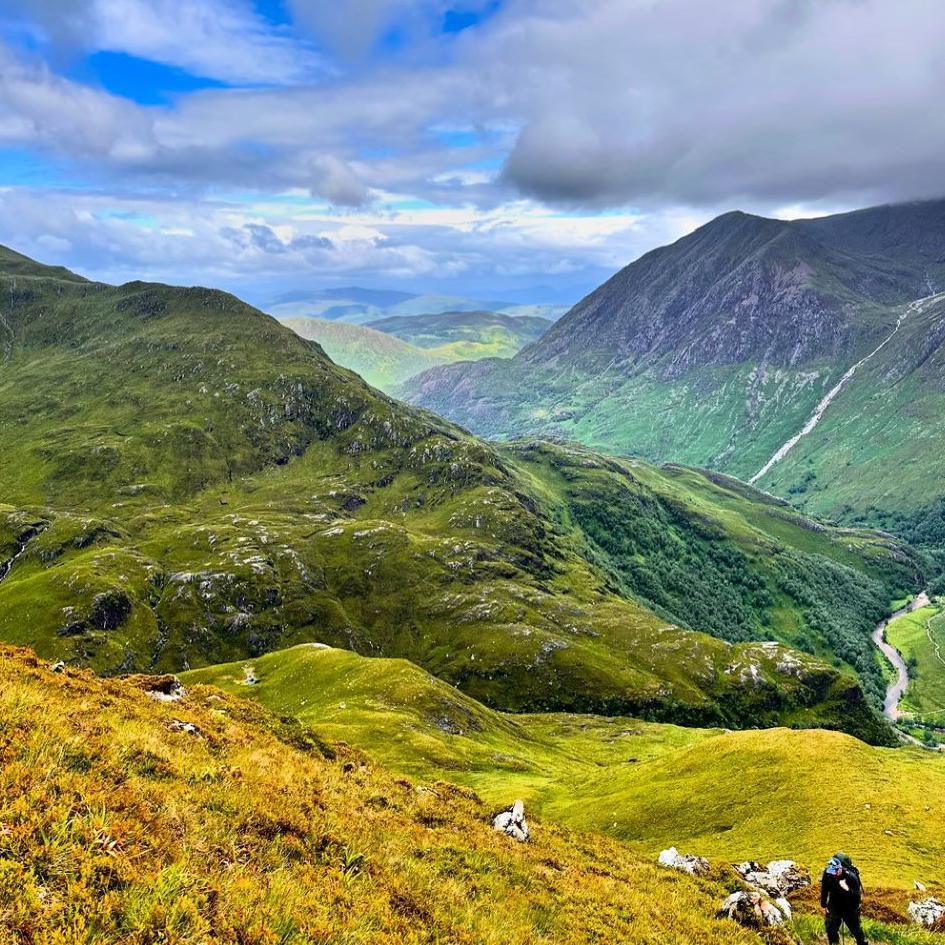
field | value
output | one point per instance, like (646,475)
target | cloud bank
(479,144)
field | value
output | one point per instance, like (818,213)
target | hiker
(841,893)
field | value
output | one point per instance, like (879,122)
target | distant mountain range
(719,349)
(361,306)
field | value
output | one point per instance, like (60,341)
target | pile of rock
(776,881)
(928,912)
(693,865)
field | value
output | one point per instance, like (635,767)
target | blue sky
(519,149)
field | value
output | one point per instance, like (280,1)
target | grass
(383,360)
(728,795)
(920,637)
(114,827)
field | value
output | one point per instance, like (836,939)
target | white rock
(927,912)
(752,910)
(779,878)
(693,865)
(511,822)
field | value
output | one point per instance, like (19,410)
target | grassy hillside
(383,360)
(119,827)
(188,482)
(873,453)
(761,794)
(466,336)
(920,637)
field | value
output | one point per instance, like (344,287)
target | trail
(915,307)
(896,688)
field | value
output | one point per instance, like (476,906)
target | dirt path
(917,306)
(895,690)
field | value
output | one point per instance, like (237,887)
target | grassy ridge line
(118,828)
(729,795)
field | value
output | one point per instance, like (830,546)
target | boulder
(511,822)
(693,865)
(780,878)
(751,909)
(928,912)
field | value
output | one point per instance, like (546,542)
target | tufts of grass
(250,839)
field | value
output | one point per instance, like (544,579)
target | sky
(519,150)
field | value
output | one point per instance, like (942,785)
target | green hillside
(189,482)
(761,795)
(121,827)
(383,360)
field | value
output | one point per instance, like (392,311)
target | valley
(391,350)
(599,636)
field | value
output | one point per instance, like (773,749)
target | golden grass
(116,828)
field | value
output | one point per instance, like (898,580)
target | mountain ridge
(714,350)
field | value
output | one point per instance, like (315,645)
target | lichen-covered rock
(779,878)
(693,865)
(511,822)
(751,909)
(928,912)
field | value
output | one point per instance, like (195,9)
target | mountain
(382,359)
(717,350)
(128,818)
(466,336)
(361,306)
(186,482)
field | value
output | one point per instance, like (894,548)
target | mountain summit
(718,348)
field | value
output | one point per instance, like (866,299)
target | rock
(188,728)
(58,667)
(511,822)
(693,865)
(751,909)
(918,885)
(779,878)
(928,912)
(166,688)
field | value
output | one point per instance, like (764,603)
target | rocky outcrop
(751,909)
(511,822)
(780,878)
(929,913)
(693,865)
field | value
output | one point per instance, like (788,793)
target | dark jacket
(837,899)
